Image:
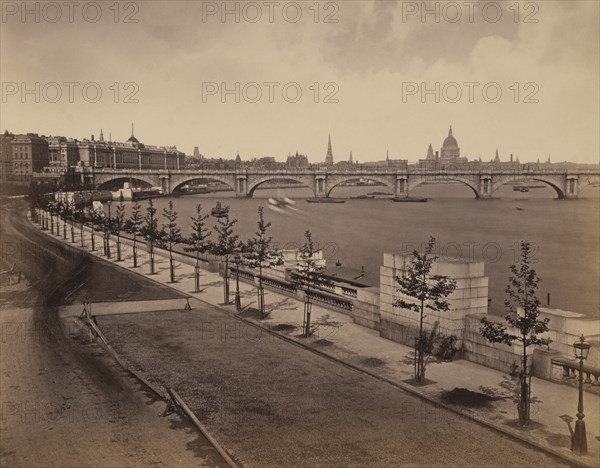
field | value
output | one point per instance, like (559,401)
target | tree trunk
(524,400)
(134,253)
(420,375)
(118,248)
(226,283)
(197,274)
(171,265)
(307,314)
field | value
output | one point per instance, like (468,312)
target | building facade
(63,154)
(6,156)
(131,154)
(29,154)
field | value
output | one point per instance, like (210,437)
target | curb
(402,386)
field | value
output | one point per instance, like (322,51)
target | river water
(356,233)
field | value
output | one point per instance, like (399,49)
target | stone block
(388,261)
(476,269)
(478,302)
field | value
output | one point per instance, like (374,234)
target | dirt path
(64,403)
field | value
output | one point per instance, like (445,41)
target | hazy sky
(375,50)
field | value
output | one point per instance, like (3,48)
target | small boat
(407,199)
(519,208)
(383,194)
(362,197)
(325,200)
(218,211)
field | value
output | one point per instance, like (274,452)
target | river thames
(357,233)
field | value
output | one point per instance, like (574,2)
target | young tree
(151,232)
(69,210)
(425,291)
(52,207)
(118,225)
(198,241)
(43,206)
(97,222)
(259,254)
(171,235)
(63,214)
(134,227)
(310,274)
(225,246)
(523,306)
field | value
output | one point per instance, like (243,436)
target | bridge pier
(572,187)
(401,188)
(321,190)
(165,184)
(486,189)
(241,186)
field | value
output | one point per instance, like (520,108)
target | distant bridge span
(484,183)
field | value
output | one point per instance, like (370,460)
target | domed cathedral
(449,153)
(450,149)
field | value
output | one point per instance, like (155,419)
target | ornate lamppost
(582,348)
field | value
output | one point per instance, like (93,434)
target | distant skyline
(107,136)
(175,54)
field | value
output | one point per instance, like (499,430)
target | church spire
(329,157)
(497,158)
(450,131)
(101,135)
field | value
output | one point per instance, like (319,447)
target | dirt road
(63,402)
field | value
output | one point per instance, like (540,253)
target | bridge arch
(179,182)
(586,182)
(338,182)
(524,178)
(108,181)
(252,186)
(469,183)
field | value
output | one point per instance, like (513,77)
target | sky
(272,78)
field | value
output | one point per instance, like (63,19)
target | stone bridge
(484,183)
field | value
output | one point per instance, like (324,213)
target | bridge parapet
(484,182)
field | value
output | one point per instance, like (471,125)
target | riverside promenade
(356,348)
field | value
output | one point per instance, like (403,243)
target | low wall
(402,325)
(478,349)
(365,310)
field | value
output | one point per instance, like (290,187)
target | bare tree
(259,254)
(134,227)
(426,291)
(309,275)
(523,306)
(170,236)
(118,225)
(198,241)
(225,246)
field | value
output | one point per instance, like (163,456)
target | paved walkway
(339,338)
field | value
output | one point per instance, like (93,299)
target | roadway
(64,402)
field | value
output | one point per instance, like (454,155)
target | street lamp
(238,302)
(108,226)
(581,348)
